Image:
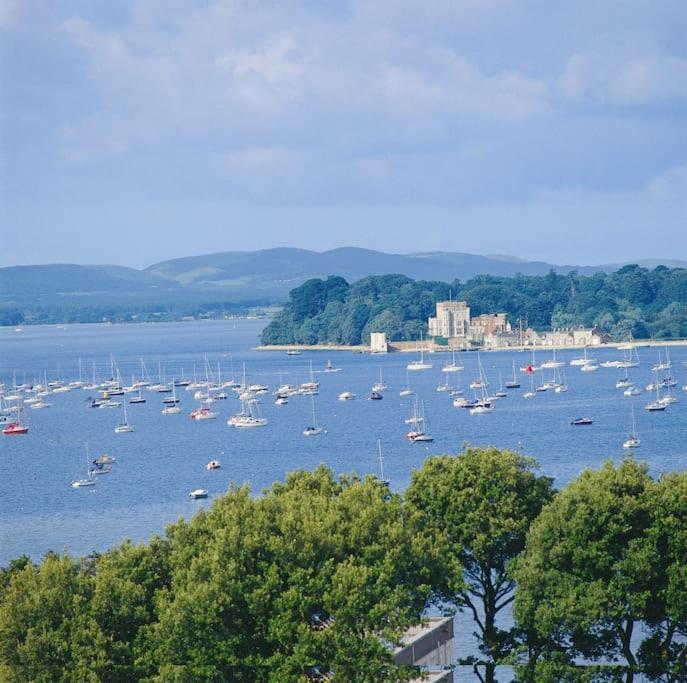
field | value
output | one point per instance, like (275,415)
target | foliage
(607,556)
(632,301)
(319,574)
(481,503)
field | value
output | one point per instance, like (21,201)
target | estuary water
(164,458)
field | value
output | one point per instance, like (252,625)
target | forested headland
(631,302)
(319,576)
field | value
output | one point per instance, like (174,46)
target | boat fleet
(207,389)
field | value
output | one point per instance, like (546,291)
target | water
(165,457)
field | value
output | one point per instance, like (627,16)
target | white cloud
(671,184)
(608,79)
(239,71)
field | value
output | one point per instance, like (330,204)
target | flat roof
(414,633)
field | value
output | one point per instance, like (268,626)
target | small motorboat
(346,396)
(375,396)
(281,401)
(579,421)
(213,465)
(198,493)
(293,352)
(104,459)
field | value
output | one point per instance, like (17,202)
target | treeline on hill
(631,301)
(317,578)
(122,312)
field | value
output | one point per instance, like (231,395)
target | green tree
(480,504)
(39,613)
(588,575)
(316,575)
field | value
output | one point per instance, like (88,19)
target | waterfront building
(451,321)
(488,325)
(378,342)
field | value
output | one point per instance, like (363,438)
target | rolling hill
(266,275)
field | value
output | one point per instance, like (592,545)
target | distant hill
(265,276)
(278,270)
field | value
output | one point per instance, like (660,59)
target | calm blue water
(165,457)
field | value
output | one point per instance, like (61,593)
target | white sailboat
(381,478)
(452,366)
(407,391)
(124,427)
(330,368)
(84,483)
(420,364)
(585,360)
(657,405)
(633,440)
(379,386)
(418,435)
(513,383)
(313,429)
(248,418)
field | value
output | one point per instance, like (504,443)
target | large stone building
(488,326)
(452,320)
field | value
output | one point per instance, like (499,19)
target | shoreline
(445,349)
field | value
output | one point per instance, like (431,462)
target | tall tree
(314,576)
(481,504)
(588,575)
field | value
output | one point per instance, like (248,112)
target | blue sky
(138,131)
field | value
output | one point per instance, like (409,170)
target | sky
(136,131)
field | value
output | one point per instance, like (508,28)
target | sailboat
(247,418)
(419,364)
(83,483)
(452,366)
(501,393)
(138,399)
(531,393)
(381,478)
(415,418)
(418,435)
(663,364)
(171,400)
(124,427)
(513,383)
(552,363)
(313,429)
(559,378)
(330,368)
(171,406)
(313,385)
(17,427)
(633,440)
(378,387)
(585,360)
(407,391)
(656,405)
